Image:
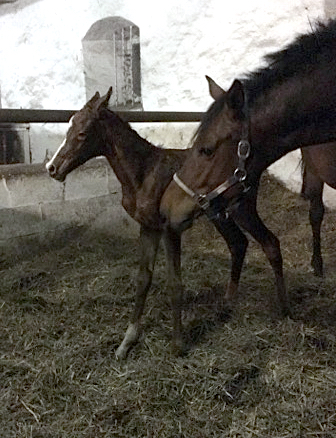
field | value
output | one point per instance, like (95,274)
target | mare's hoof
(318,272)
(177,348)
(282,311)
(286,312)
(224,311)
(317,266)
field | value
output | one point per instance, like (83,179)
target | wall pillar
(111,50)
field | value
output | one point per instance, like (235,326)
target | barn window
(111,50)
(14,143)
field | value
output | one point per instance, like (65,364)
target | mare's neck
(297,113)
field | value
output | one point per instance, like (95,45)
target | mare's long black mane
(298,58)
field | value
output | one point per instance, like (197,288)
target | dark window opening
(14,144)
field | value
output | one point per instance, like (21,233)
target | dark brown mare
(316,168)
(290,103)
(144,172)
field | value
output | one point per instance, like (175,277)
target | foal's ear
(108,96)
(90,103)
(236,96)
(105,99)
(214,89)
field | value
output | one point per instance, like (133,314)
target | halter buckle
(203,201)
(244,149)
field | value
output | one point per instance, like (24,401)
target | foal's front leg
(148,245)
(172,245)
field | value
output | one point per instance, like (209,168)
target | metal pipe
(63,116)
(160,116)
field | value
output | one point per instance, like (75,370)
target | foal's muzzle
(53,172)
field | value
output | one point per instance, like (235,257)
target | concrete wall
(36,211)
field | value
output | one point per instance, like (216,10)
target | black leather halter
(237,180)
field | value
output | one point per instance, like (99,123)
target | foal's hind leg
(312,189)
(172,246)
(248,218)
(237,244)
(148,243)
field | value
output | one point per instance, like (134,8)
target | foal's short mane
(300,56)
(139,144)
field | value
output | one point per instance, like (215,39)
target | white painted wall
(42,66)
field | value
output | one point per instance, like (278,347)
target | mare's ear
(236,96)
(214,89)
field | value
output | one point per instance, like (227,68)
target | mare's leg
(172,245)
(148,243)
(312,189)
(237,244)
(246,215)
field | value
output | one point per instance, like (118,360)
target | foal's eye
(81,136)
(206,151)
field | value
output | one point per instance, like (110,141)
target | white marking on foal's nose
(50,162)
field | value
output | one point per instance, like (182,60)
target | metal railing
(63,116)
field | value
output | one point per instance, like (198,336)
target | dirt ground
(246,374)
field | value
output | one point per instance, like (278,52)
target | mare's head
(213,157)
(83,139)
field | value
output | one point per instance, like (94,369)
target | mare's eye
(206,151)
(81,136)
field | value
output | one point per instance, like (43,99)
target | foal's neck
(128,154)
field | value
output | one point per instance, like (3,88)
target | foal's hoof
(130,338)
(121,353)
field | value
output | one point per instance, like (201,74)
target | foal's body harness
(205,201)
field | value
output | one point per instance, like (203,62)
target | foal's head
(83,139)
(213,156)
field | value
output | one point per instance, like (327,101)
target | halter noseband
(237,179)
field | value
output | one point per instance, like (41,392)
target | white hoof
(131,336)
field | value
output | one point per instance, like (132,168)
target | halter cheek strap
(238,178)
(204,200)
